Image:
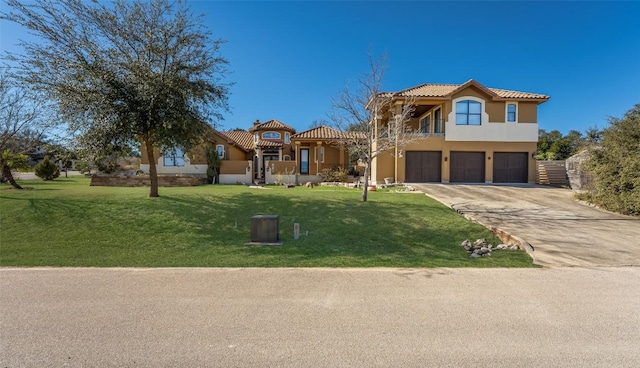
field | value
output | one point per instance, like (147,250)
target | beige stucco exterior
(494,134)
(335,155)
(385,163)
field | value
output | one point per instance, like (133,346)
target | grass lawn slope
(68,223)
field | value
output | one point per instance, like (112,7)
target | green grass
(68,223)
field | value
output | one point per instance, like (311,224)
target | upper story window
(438,124)
(425,124)
(173,157)
(255,137)
(512,112)
(220,150)
(271,135)
(287,138)
(468,112)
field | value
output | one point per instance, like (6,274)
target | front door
(265,161)
(304,161)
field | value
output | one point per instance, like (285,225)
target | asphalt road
(553,317)
(562,231)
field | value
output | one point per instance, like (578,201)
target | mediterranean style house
(264,153)
(467,133)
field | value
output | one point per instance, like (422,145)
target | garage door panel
(467,167)
(423,166)
(510,167)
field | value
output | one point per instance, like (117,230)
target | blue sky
(288,59)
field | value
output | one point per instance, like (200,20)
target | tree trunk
(153,172)
(365,189)
(6,172)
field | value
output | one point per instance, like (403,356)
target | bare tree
(21,127)
(316,123)
(360,113)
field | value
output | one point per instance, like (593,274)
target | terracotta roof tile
(243,139)
(445,90)
(515,94)
(325,132)
(321,132)
(272,124)
(267,143)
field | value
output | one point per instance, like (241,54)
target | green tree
(213,163)
(10,160)
(130,71)
(593,135)
(47,169)
(615,165)
(554,146)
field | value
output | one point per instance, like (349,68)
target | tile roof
(446,90)
(324,132)
(272,124)
(267,143)
(321,132)
(241,138)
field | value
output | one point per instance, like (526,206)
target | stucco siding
(492,132)
(385,162)
(527,112)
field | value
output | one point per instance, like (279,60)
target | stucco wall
(386,162)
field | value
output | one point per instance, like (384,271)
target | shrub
(47,170)
(615,166)
(82,166)
(334,175)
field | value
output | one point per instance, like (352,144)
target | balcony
(430,127)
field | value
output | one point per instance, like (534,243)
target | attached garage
(467,167)
(423,166)
(510,167)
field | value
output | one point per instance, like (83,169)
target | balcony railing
(420,134)
(435,127)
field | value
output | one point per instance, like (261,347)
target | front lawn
(68,223)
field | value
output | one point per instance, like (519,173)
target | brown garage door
(510,167)
(423,166)
(467,167)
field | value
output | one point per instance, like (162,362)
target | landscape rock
(481,248)
(467,244)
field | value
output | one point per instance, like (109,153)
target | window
(468,112)
(304,161)
(425,124)
(319,153)
(512,112)
(173,157)
(255,137)
(438,124)
(271,135)
(287,138)
(220,150)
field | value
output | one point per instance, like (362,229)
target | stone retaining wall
(142,181)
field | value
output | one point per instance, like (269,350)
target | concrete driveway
(561,231)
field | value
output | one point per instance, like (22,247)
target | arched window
(468,112)
(271,135)
(220,150)
(173,157)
